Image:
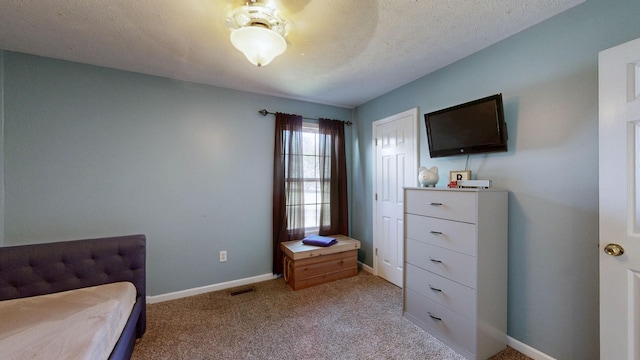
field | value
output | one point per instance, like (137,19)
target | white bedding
(78,324)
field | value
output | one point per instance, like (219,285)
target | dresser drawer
(449,234)
(444,262)
(442,320)
(452,205)
(456,297)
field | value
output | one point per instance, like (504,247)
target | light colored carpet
(354,318)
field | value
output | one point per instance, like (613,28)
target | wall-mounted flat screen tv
(474,127)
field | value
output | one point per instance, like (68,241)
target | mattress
(77,324)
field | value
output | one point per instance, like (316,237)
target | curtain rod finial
(264,112)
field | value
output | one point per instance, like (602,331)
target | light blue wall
(548,77)
(92,152)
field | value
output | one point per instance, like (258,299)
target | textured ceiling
(341,52)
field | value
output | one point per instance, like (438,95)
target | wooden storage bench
(306,265)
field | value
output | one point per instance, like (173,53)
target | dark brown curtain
(334,217)
(288,196)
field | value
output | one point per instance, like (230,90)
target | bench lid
(296,250)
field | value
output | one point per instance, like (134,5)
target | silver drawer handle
(436,232)
(434,317)
(435,204)
(434,289)
(435,260)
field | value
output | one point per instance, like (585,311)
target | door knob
(613,250)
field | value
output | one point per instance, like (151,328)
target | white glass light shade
(259,44)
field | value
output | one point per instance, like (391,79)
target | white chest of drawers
(455,273)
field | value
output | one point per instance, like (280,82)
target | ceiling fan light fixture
(259,44)
(258,32)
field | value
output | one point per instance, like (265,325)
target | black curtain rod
(264,112)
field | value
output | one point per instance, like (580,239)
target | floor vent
(242,291)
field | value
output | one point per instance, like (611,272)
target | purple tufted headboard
(37,269)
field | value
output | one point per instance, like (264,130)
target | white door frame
(416,138)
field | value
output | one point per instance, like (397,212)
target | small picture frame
(459,175)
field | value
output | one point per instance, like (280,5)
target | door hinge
(376,196)
(376,251)
(376,140)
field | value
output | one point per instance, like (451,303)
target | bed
(31,272)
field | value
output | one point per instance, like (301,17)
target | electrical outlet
(223,255)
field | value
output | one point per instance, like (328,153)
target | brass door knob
(613,250)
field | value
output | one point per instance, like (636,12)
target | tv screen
(474,127)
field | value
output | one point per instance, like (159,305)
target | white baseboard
(528,350)
(366,267)
(221,286)
(209,288)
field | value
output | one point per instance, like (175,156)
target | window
(311,181)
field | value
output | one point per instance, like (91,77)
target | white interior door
(619,146)
(395,142)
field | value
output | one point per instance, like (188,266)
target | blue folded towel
(317,240)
